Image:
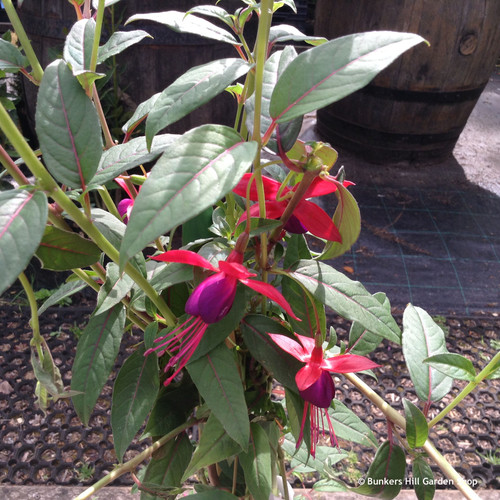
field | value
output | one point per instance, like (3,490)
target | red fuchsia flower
(210,301)
(315,384)
(306,217)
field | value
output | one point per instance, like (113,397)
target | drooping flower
(307,216)
(315,384)
(210,301)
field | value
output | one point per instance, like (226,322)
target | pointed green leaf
(95,358)
(207,163)
(62,250)
(256,464)
(23,216)
(172,408)
(347,425)
(178,21)
(134,394)
(11,58)
(78,45)
(122,157)
(335,69)
(417,429)
(216,377)
(118,42)
(282,366)
(423,338)
(346,297)
(64,291)
(386,473)
(140,114)
(194,88)
(213,11)
(114,289)
(286,33)
(215,445)
(347,218)
(453,365)
(362,341)
(166,468)
(295,409)
(68,127)
(301,305)
(424,482)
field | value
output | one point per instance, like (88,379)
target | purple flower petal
(321,393)
(212,299)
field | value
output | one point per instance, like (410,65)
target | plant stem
(34,323)
(132,464)
(12,168)
(399,420)
(108,201)
(467,389)
(36,68)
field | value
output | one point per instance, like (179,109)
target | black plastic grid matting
(51,449)
(438,249)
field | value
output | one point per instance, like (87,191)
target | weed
(492,457)
(84,472)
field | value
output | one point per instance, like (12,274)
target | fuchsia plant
(226,346)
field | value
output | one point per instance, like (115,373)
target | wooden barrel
(143,69)
(416,108)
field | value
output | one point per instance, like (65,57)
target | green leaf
(194,88)
(424,482)
(62,250)
(113,230)
(178,21)
(171,409)
(78,45)
(301,305)
(65,290)
(207,163)
(386,473)
(348,221)
(347,425)
(122,157)
(417,429)
(286,33)
(256,464)
(23,216)
(134,394)
(95,358)
(11,58)
(295,410)
(281,365)
(167,466)
(423,338)
(362,341)
(215,445)
(68,127)
(114,289)
(327,73)
(346,297)
(302,461)
(139,114)
(213,494)
(213,11)
(216,377)
(453,365)
(118,42)
(198,227)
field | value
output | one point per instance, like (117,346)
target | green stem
(12,168)
(97,36)
(132,464)
(34,323)
(36,68)
(467,389)
(108,201)
(399,420)
(48,184)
